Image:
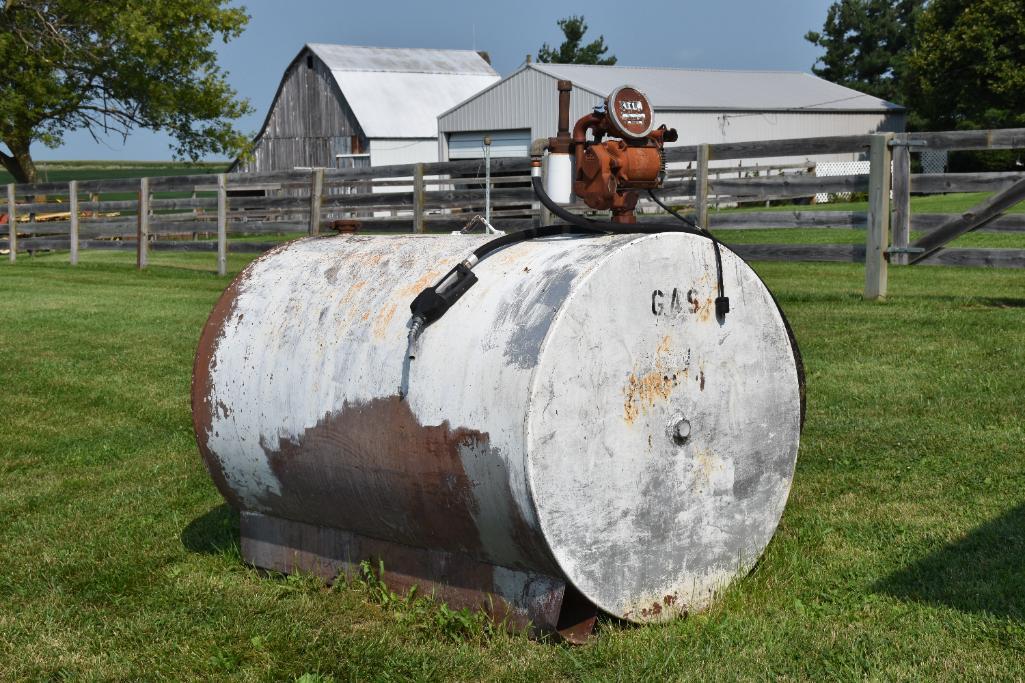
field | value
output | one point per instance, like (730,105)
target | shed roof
(399,92)
(721,90)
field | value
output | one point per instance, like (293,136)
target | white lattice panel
(834,168)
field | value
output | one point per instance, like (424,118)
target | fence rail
(176,212)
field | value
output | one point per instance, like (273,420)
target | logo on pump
(631,110)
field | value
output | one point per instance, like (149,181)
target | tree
(867,43)
(968,66)
(114,66)
(571,52)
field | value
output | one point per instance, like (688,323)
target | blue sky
(728,34)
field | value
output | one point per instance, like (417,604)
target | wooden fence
(201,213)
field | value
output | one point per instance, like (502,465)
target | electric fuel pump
(609,172)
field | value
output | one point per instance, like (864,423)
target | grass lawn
(901,554)
(953,202)
(59,171)
(942,203)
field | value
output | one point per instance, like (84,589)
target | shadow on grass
(983,572)
(977,302)
(995,302)
(213,533)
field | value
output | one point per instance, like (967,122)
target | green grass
(954,202)
(944,203)
(901,554)
(62,171)
(1014,240)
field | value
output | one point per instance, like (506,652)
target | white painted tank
(579,418)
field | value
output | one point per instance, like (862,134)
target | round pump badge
(630,112)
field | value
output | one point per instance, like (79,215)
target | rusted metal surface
(578,416)
(520,600)
(346,226)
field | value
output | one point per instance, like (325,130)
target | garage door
(504,143)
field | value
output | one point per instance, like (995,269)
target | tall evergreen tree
(866,44)
(571,51)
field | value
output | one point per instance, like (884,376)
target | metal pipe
(487,179)
(565,87)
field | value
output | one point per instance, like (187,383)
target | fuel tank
(579,432)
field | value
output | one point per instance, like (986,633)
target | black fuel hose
(432,302)
(722,303)
(716,244)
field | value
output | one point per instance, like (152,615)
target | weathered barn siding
(385,100)
(309,122)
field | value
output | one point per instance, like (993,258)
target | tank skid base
(514,598)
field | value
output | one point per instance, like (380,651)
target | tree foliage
(114,66)
(571,51)
(968,66)
(866,44)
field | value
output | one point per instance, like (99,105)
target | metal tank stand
(516,599)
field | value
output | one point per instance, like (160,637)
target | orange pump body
(610,172)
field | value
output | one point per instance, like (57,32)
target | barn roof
(721,90)
(399,92)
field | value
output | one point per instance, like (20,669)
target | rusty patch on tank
(425,281)
(705,310)
(708,464)
(643,391)
(371,259)
(383,319)
(373,469)
(701,308)
(351,292)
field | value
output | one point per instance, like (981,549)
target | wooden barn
(344,105)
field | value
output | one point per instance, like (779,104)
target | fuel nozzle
(431,303)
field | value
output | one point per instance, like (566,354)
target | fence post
(142,234)
(878,233)
(12,221)
(701,187)
(222,224)
(901,228)
(73,216)
(418,198)
(316,190)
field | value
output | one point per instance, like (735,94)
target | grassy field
(956,202)
(58,171)
(901,554)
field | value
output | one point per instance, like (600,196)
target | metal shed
(349,105)
(704,105)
